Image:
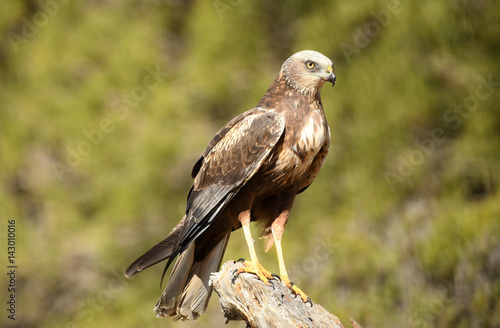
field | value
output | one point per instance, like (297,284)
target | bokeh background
(106,105)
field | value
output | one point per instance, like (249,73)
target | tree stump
(245,297)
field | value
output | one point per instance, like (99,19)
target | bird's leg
(277,230)
(252,266)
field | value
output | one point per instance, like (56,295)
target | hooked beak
(330,77)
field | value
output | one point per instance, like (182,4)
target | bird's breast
(302,142)
(309,137)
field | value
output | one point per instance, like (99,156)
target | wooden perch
(245,297)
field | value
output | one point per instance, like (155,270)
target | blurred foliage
(105,106)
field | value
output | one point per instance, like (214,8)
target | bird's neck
(280,92)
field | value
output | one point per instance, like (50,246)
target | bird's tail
(159,252)
(187,292)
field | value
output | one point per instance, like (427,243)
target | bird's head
(306,71)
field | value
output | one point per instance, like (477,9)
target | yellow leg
(253,266)
(283,274)
(249,239)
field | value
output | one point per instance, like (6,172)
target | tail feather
(157,253)
(187,292)
(176,283)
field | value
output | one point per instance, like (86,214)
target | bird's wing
(221,134)
(228,163)
(164,249)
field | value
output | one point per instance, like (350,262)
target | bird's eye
(310,64)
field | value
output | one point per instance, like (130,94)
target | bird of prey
(251,171)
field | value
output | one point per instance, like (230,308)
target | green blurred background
(106,105)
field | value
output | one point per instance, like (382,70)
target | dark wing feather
(228,163)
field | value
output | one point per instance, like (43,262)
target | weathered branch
(245,297)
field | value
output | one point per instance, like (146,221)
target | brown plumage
(250,171)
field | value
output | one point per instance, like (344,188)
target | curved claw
(305,298)
(242,260)
(296,290)
(275,276)
(258,269)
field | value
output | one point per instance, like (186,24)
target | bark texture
(244,297)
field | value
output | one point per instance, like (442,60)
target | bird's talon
(275,276)
(303,296)
(242,260)
(296,291)
(257,269)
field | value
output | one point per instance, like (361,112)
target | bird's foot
(258,269)
(296,290)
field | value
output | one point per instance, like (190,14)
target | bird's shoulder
(243,140)
(221,134)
